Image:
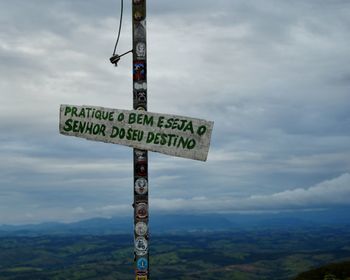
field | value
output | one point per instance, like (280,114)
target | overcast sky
(273,75)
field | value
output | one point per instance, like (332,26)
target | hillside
(334,271)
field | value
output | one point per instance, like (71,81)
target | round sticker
(140,155)
(141,244)
(141,210)
(139,16)
(141,228)
(141,96)
(141,50)
(141,168)
(141,186)
(142,264)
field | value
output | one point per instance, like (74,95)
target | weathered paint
(168,134)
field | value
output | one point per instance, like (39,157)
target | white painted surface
(168,134)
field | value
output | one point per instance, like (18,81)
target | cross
(143,131)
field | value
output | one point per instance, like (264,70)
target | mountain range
(187,223)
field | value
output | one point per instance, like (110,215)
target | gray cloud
(274,77)
(327,194)
(334,192)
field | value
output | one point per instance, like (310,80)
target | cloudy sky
(273,75)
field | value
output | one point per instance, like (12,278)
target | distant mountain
(186,223)
(116,225)
(95,226)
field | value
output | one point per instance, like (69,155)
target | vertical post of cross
(141,218)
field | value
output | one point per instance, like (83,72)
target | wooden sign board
(168,134)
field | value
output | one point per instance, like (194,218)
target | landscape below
(98,249)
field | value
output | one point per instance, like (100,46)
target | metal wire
(120,25)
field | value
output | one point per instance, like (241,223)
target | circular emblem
(141,244)
(138,16)
(141,228)
(141,186)
(141,50)
(141,168)
(142,264)
(141,210)
(140,155)
(141,96)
